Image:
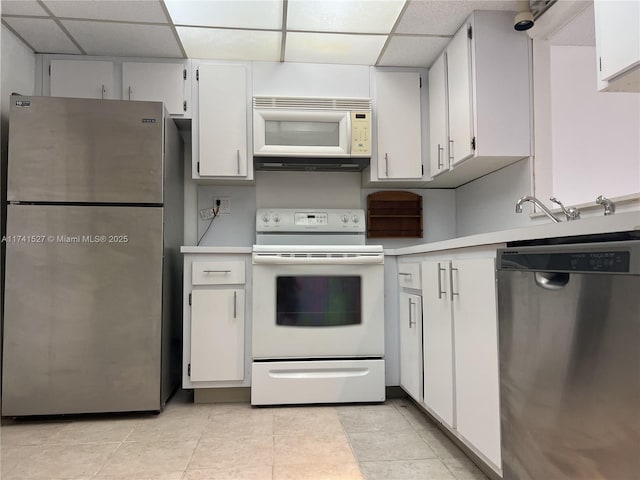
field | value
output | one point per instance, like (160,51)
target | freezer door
(82,329)
(85,150)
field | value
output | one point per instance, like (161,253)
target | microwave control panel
(361,133)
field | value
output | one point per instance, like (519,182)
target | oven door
(286,133)
(318,306)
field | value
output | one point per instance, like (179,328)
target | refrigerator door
(85,150)
(83,308)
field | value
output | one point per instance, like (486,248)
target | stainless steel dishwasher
(569,335)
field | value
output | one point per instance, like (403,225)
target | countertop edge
(193,249)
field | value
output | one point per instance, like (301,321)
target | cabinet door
(217,334)
(80,79)
(460,96)
(438,340)
(438,116)
(617,36)
(222,115)
(476,355)
(156,82)
(398,121)
(411,344)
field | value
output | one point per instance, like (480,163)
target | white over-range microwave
(313,130)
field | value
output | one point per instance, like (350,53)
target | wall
(586,142)
(488,204)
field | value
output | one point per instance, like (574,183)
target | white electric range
(318,309)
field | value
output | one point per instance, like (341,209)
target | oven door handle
(356,260)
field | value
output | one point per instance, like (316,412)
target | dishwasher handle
(551,280)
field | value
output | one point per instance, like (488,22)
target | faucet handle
(609,206)
(571,213)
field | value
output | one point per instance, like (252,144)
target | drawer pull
(217,271)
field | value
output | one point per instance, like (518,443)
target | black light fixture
(524,18)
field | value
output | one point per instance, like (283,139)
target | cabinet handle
(404,273)
(411,322)
(235,297)
(217,271)
(440,291)
(451,149)
(386,164)
(238,160)
(129,93)
(451,283)
(102,92)
(440,150)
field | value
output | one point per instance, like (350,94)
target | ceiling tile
(333,48)
(123,39)
(23,7)
(581,31)
(123,10)
(230,44)
(444,17)
(413,51)
(43,34)
(359,16)
(265,14)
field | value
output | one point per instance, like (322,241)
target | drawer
(409,275)
(217,273)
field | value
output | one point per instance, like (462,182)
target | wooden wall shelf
(394,214)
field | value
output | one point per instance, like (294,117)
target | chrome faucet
(609,206)
(571,213)
(537,202)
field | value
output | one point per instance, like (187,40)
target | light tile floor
(391,441)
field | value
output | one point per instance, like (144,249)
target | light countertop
(622,222)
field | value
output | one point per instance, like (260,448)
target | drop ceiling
(407,33)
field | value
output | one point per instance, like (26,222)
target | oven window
(318,301)
(302,134)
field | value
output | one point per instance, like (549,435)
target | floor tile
(225,452)
(441,444)
(107,430)
(382,418)
(11,457)
(306,420)
(414,416)
(64,461)
(29,433)
(177,428)
(312,449)
(237,472)
(142,476)
(370,447)
(430,469)
(346,471)
(149,458)
(247,424)
(464,469)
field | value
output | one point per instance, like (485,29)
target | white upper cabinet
(438,113)
(397,115)
(220,133)
(487,100)
(461,133)
(618,44)
(82,79)
(159,82)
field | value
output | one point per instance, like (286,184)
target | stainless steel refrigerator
(92,314)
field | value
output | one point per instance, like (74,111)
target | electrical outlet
(206,214)
(225,205)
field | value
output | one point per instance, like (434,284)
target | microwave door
(279,133)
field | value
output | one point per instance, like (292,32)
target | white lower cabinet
(214,341)
(411,344)
(460,337)
(217,335)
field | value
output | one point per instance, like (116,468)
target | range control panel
(310,220)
